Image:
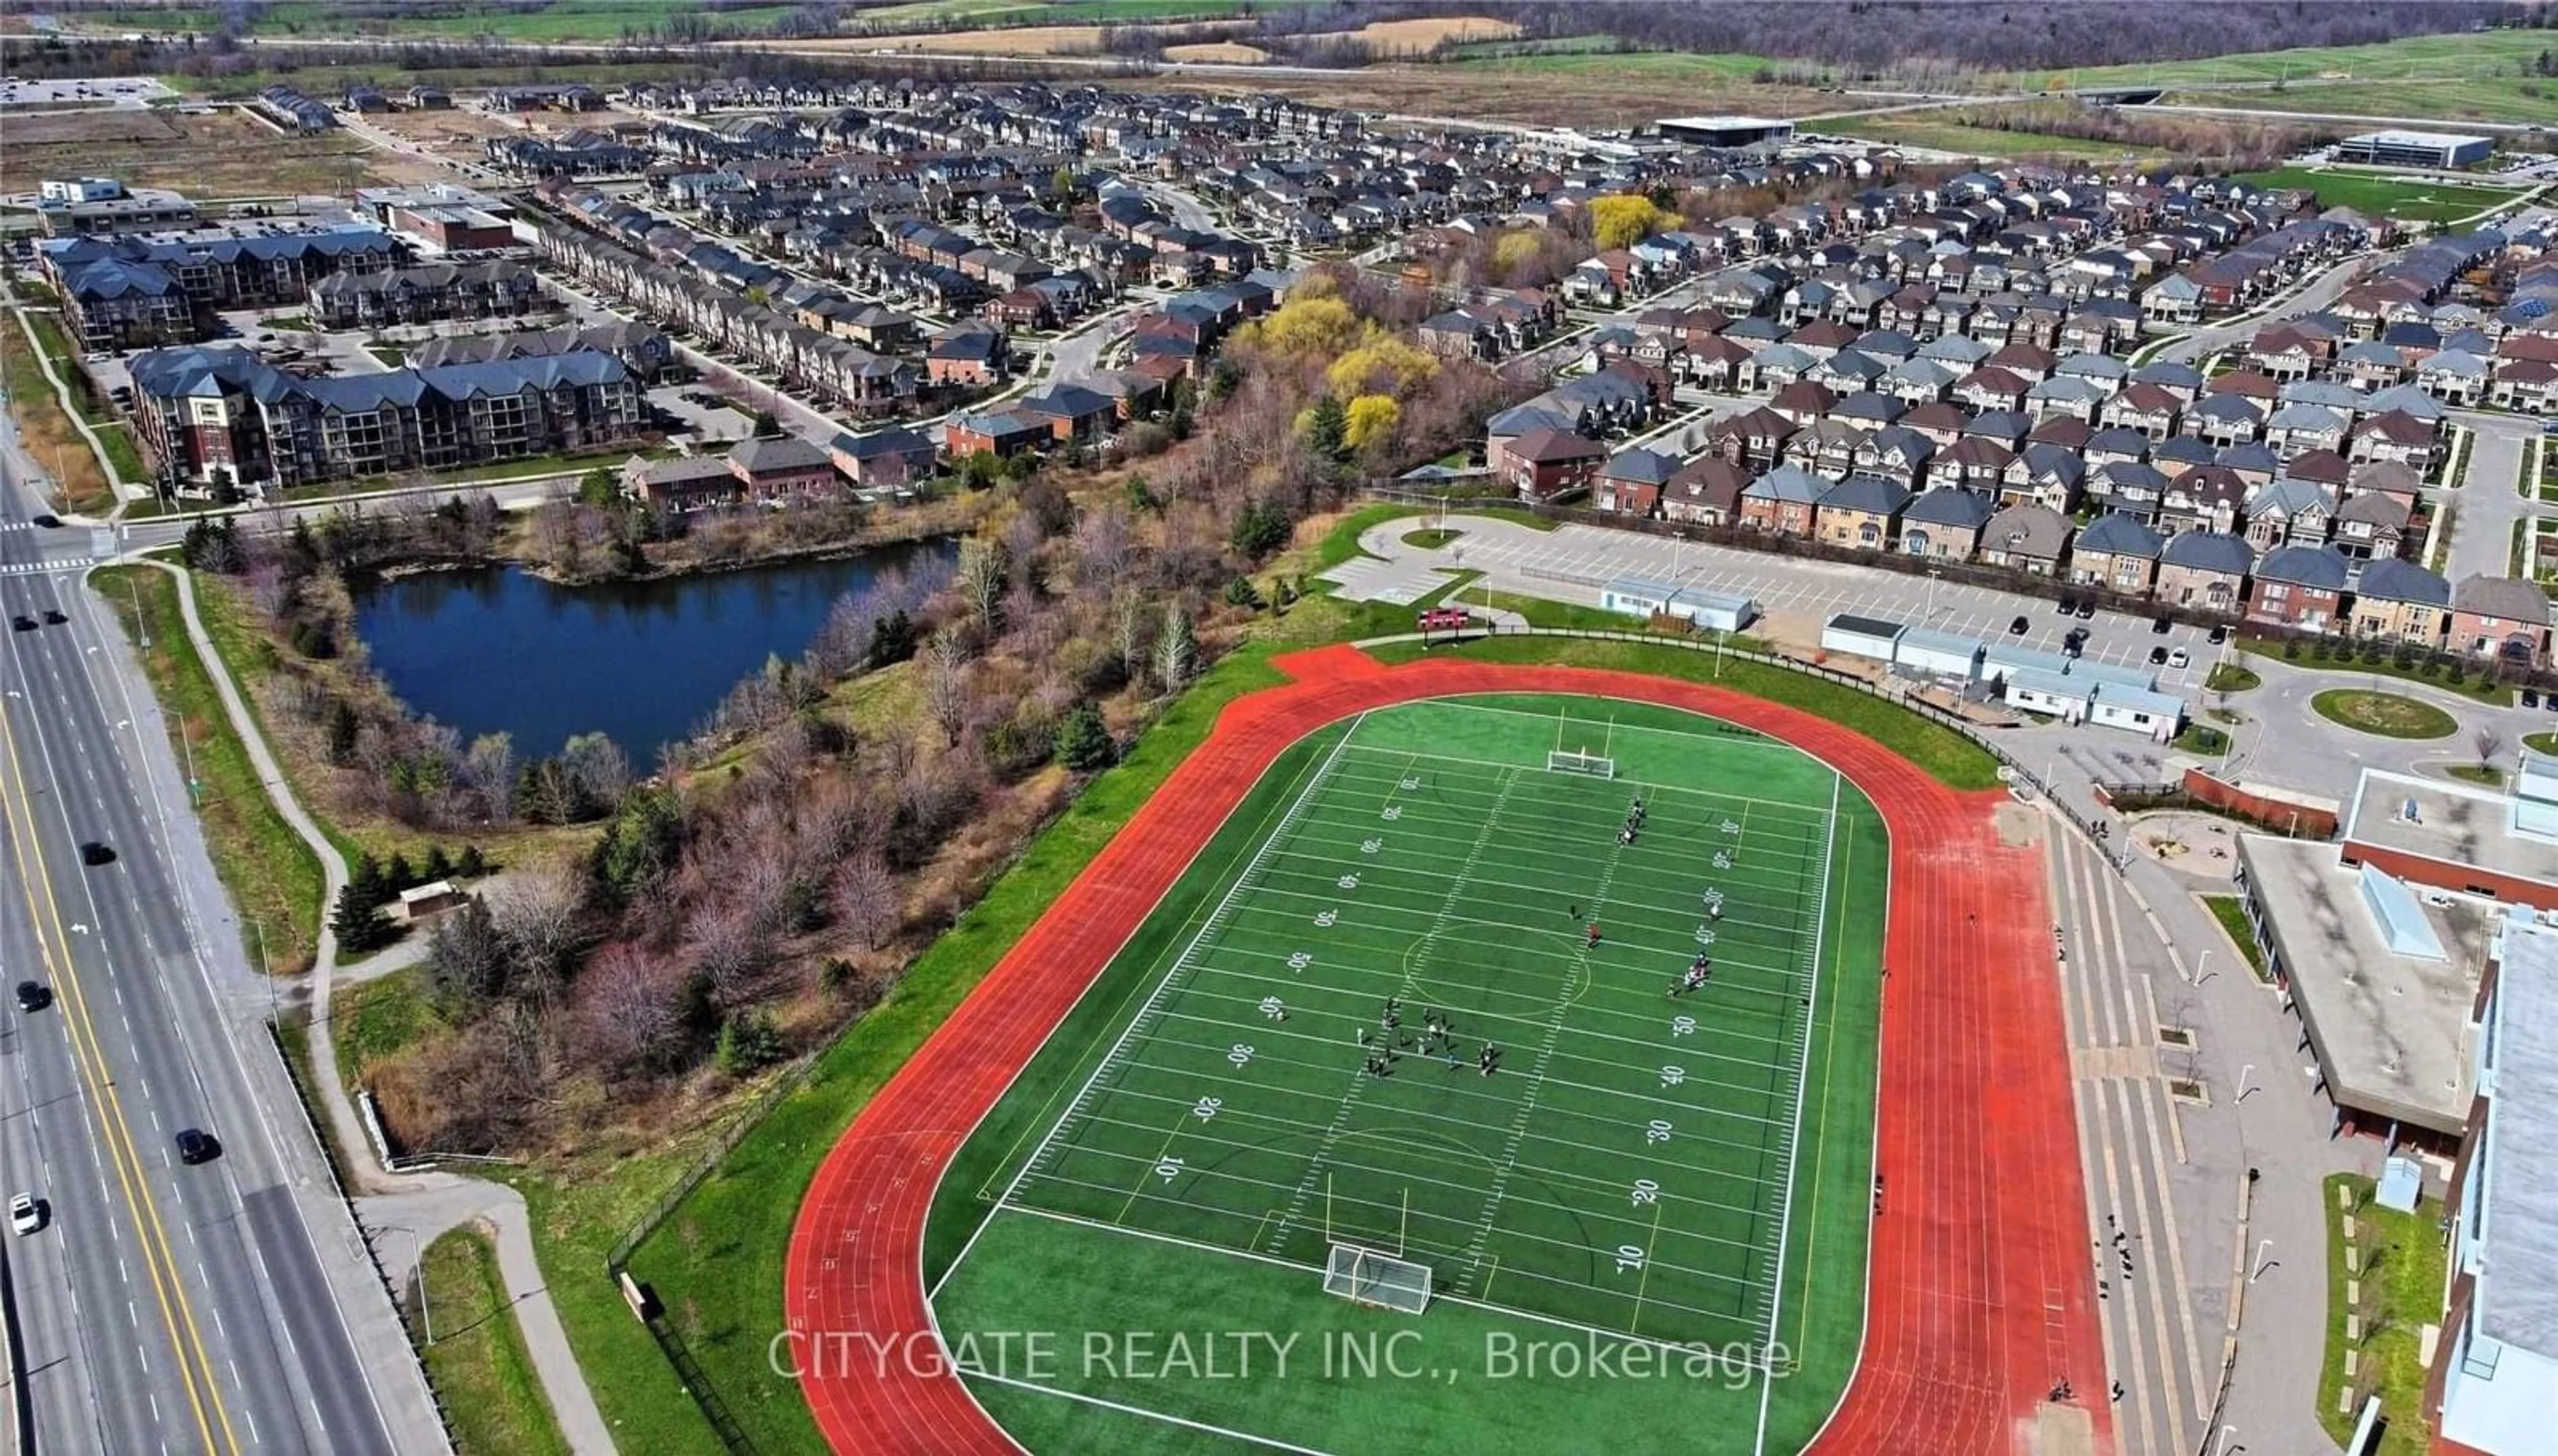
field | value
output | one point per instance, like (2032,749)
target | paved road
(224,1307)
(2487,505)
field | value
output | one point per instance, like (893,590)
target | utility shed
(1862,637)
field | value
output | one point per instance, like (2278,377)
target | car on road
(94,853)
(34,995)
(25,1213)
(2178,658)
(196,1146)
(2162,624)
(22,622)
(2086,611)
(54,617)
(49,521)
(2158,656)
(2018,627)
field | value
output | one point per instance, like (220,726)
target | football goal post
(1574,761)
(1369,1277)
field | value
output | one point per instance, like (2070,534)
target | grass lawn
(1913,129)
(2231,677)
(2200,739)
(378,1019)
(2378,193)
(2431,673)
(1939,751)
(2433,56)
(2479,773)
(477,1359)
(50,439)
(2384,714)
(2400,1282)
(2542,742)
(1554,1242)
(723,1278)
(272,876)
(2509,99)
(2231,911)
(1428,540)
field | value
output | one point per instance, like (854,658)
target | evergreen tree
(748,1042)
(1083,740)
(473,863)
(366,881)
(439,865)
(360,924)
(398,873)
(1326,428)
(891,640)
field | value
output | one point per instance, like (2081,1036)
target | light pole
(2243,1089)
(2226,1433)
(265,972)
(141,624)
(2262,1262)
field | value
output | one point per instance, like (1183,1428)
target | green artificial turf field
(1666,1193)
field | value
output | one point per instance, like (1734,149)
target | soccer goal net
(1370,1277)
(1573,760)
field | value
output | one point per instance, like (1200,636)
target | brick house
(2501,617)
(2205,570)
(2116,552)
(1544,464)
(2026,537)
(784,470)
(883,458)
(1783,500)
(1860,511)
(2300,586)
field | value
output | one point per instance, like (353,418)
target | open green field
(1674,1178)
(2455,56)
(922,13)
(560,20)
(2509,99)
(1914,129)
(2380,195)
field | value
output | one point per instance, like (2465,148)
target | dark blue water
(496,651)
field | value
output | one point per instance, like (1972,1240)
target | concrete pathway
(126,492)
(418,1205)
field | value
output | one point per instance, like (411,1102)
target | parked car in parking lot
(2068,605)
(2086,611)
(2220,633)
(2158,656)
(2018,627)
(2162,624)
(2177,658)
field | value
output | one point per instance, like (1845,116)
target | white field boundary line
(931,1294)
(985,1190)
(1738,732)
(1872,1158)
(1488,1307)
(1251,872)
(1802,1074)
(1080,1399)
(1688,791)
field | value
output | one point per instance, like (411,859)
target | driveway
(2486,502)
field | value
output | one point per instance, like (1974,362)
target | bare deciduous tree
(2489,742)
(867,898)
(536,914)
(946,683)
(985,569)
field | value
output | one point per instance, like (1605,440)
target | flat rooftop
(2453,823)
(2391,1030)
(2518,1298)
(2419,139)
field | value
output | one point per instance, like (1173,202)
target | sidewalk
(423,1204)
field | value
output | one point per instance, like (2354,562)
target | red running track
(1978,1289)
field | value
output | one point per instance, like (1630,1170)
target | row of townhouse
(138,291)
(801,357)
(217,420)
(2312,585)
(424,294)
